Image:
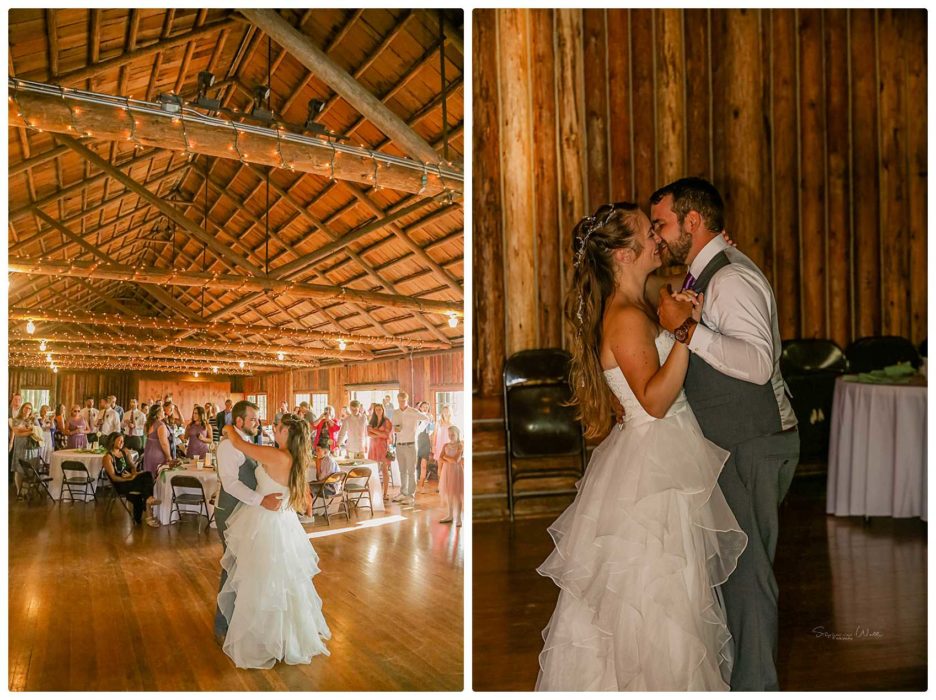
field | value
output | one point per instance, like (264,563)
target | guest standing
(16,402)
(157,440)
(137,486)
(452,477)
(59,428)
(24,446)
(134,424)
(44,421)
(441,434)
(379,431)
(77,430)
(354,428)
(198,434)
(108,420)
(225,417)
(90,415)
(406,420)
(423,447)
(326,429)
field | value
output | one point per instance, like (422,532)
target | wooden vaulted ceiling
(76,204)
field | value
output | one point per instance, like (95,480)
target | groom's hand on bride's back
(272,501)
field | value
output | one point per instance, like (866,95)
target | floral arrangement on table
(91,450)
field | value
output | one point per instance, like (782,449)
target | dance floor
(95,604)
(852,599)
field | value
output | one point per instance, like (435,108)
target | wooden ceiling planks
(392,52)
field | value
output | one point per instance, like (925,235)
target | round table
(374,487)
(877,450)
(94,463)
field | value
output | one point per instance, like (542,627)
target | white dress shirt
(134,422)
(90,415)
(230,460)
(355,427)
(740,335)
(110,422)
(407,420)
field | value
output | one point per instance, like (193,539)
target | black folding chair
(189,500)
(322,499)
(810,367)
(538,423)
(34,483)
(72,483)
(878,352)
(115,495)
(356,487)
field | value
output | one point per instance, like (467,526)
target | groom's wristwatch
(682,333)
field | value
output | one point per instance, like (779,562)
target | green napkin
(901,373)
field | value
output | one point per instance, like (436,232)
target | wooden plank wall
(420,376)
(812,124)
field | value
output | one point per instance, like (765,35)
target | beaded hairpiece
(589,225)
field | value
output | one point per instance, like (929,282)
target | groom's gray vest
(730,411)
(226,502)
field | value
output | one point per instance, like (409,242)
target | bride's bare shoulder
(627,320)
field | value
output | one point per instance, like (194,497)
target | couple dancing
(268,609)
(665,558)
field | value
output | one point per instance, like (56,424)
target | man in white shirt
(134,421)
(405,421)
(90,415)
(354,428)
(238,483)
(737,394)
(108,421)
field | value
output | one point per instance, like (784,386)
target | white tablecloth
(94,463)
(877,450)
(163,490)
(374,486)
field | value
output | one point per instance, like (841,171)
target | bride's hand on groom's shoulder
(228,432)
(728,239)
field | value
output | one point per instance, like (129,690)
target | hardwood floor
(863,583)
(97,604)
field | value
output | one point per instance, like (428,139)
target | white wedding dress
(272,608)
(637,556)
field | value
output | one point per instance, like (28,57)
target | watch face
(681,333)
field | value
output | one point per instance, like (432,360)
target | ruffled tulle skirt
(273,610)
(637,556)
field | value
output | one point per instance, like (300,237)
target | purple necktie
(689,281)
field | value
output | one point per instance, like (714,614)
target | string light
(241,364)
(42,346)
(54,369)
(453,321)
(342,345)
(195,374)
(214,370)
(30,327)
(49,356)
(280,356)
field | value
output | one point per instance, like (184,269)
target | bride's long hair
(299,444)
(594,240)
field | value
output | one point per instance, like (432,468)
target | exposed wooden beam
(132,365)
(313,58)
(127,319)
(293,351)
(137,275)
(133,351)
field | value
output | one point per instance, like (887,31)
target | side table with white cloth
(877,449)
(163,489)
(374,487)
(94,461)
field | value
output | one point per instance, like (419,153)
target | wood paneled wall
(419,375)
(812,124)
(186,394)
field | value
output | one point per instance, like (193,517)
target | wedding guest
(388,407)
(44,421)
(225,417)
(198,434)
(440,436)
(283,410)
(210,412)
(325,464)
(136,485)
(59,428)
(354,428)
(306,412)
(172,411)
(134,422)
(108,421)
(326,429)
(113,404)
(406,420)
(157,440)
(90,415)
(77,429)
(452,476)
(175,426)
(379,431)
(423,447)
(24,445)
(16,402)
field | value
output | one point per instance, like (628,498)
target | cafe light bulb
(195,375)
(42,346)
(280,356)
(241,363)
(30,327)
(55,370)
(48,356)
(214,369)
(453,321)
(342,345)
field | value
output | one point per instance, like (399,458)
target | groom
(238,483)
(738,396)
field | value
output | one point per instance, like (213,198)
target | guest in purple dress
(198,434)
(157,450)
(77,430)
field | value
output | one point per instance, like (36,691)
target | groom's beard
(676,253)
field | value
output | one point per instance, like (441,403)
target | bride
(277,614)
(649,535)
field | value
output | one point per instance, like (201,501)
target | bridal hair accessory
(588,226)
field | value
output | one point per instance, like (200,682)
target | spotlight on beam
(205,81)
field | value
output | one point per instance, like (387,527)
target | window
(300,398)
(36,397)
(261,401)
(318,402)
(371,395)
(452,399)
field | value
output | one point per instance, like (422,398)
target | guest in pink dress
(379,431)
(452,477)
(198,434)
(440,435)
(77,430)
